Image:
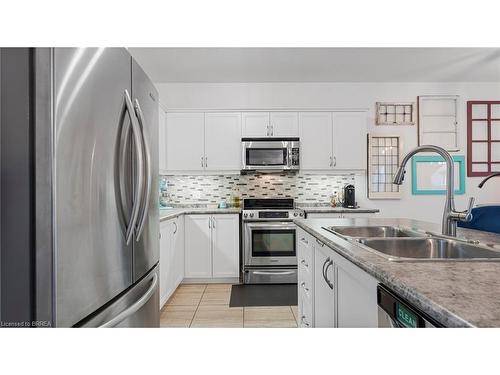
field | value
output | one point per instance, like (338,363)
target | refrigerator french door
(106,169)
(95,236)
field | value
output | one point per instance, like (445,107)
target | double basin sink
(402,244)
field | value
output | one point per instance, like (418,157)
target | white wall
(349,95)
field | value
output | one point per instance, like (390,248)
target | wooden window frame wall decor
(489,141)
(380,113)
(421,123)
(395,192)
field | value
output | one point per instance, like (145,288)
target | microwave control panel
(295,156)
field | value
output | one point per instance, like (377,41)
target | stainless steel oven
(269,241)
(271,153)
(270,244)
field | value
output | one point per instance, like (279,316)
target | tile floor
(207,305)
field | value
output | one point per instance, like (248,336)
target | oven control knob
(251,214)
(295,214)
(245,214)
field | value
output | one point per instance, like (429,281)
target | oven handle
(272,225)
(273,272)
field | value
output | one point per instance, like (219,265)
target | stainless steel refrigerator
(80,219)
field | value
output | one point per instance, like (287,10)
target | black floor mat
(263,295)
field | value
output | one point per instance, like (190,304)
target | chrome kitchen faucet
(450,215)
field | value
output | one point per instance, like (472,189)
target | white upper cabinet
(332,140)
(255,124)
(223,141)
(315,132)
(284,124)
(185,141)
(162,140)
(349,140)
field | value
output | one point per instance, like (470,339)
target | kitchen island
(454,293)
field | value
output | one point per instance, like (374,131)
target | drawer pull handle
(320,243)
(304,321)
(303,285)
(304,240)
(304,263)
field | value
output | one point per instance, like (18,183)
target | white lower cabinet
(356,297)
(225,246)
(332,291)
(171,257)
(212,246)
(324,287)
(198,240)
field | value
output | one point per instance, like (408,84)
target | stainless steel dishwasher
(395,312)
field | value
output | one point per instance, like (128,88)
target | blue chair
(485,218)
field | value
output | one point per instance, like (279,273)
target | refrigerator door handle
(134,307)
(145,205)
(139,154)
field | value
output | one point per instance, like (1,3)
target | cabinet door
(284,124)
(255,124)
(223,141)
(226,245)
(178,250)
(356,298)
(315,131)
(165,259)
(349,140)
(197,241)
(324,295)
(185,141)
(162,144)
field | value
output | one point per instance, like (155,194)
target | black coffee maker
(349,196)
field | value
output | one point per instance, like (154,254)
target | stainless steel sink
(433,248)
(372,231)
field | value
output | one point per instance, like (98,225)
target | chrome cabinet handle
(303,261)
(304,321)
(175,231)
(334,161)
(206,162)
(202,161)
(135,307)
(213,222)
(320,243)
(305,241)
(327,265)
(331,161)
(303,285)
(149,176)
(140,168)
(210,222)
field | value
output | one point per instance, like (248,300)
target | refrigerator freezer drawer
(137,307)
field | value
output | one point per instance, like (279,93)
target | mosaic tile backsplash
(213,189)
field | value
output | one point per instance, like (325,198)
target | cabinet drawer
(305,289)
(305,313)
(305,271)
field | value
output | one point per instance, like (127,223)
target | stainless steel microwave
(270,154)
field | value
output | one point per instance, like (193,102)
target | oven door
(270,244)
(263,155)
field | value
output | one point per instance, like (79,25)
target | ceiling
(320,64)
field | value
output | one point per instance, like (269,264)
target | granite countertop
(457,294)
(327,209)
(170,213)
